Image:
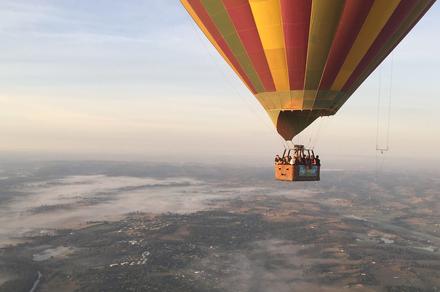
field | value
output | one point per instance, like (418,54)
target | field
(143,227)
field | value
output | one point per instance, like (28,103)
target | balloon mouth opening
(292,122)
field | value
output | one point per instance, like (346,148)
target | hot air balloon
(303,59)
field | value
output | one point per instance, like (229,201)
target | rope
(380,161)
(226,77)
(311,134)
(318,132)
(378,107)
(389,101)
(388,118)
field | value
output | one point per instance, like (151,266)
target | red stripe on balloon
(389,50)
(391,27)
(199,9)
(353,16)
(241,15)
(296,24)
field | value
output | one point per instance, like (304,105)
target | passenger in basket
(318,161)
(277,159)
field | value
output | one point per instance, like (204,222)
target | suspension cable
(380,160)
(379,88)
(225,76)
(389,101)
(388,118)
(317,132)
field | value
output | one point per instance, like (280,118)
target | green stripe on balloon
(221,19)
(411,19)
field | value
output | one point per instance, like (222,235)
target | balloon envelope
(303,59)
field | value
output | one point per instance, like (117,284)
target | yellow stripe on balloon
(292,100)
(267,16)
(380,13)
(200,24)
(274,117)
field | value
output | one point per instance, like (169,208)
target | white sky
(136,80)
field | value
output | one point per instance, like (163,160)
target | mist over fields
(119,226)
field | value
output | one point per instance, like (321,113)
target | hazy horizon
(132,158)
(138,81)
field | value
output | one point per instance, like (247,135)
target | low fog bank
(387,161)
(217,225)
(37,196)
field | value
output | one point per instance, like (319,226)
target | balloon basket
(288,172)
